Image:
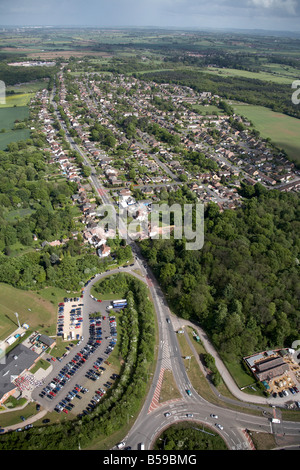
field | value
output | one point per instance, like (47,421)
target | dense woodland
(243,285)
(187,437)
(12,75)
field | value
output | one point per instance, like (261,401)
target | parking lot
(91,391)
(70,318)
(81,382)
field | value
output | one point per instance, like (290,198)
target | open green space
(207,109)
(18,99)
(283,130)
(32,309)
(29,87)
(13,136)
(13,417)
(41,364)
(265,76)
(283,70)
(8,116)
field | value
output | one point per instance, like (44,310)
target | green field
(265,76)
(8,116)
(207,110)
(283,130)
(19,99)
(13,136)
(31,307)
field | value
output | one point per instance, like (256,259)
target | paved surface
(149,424)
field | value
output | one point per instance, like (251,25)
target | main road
(151,420)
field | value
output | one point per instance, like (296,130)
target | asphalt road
(149,424)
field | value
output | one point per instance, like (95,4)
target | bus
(119,303)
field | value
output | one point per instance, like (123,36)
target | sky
(274,15)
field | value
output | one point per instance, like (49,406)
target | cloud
(265,14)
(288,6)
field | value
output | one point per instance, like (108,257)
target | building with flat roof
(13,365)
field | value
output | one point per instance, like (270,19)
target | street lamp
(17,315)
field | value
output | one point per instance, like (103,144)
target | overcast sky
(273,15)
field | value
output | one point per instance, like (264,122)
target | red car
(65,411)
(61,304)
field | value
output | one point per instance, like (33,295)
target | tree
(86,171)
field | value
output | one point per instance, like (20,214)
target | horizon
(253,15)
(269,32)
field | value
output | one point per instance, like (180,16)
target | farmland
(8,116)
(283,130)
(18,99)
(261,75)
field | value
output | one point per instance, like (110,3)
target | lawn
(14,417)
(283,130)
(207,110)
(41,364)
(32,308)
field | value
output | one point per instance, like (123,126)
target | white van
(121,445)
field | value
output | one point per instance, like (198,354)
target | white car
(214,416)
(121,445)
(167,414)
(219,426)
